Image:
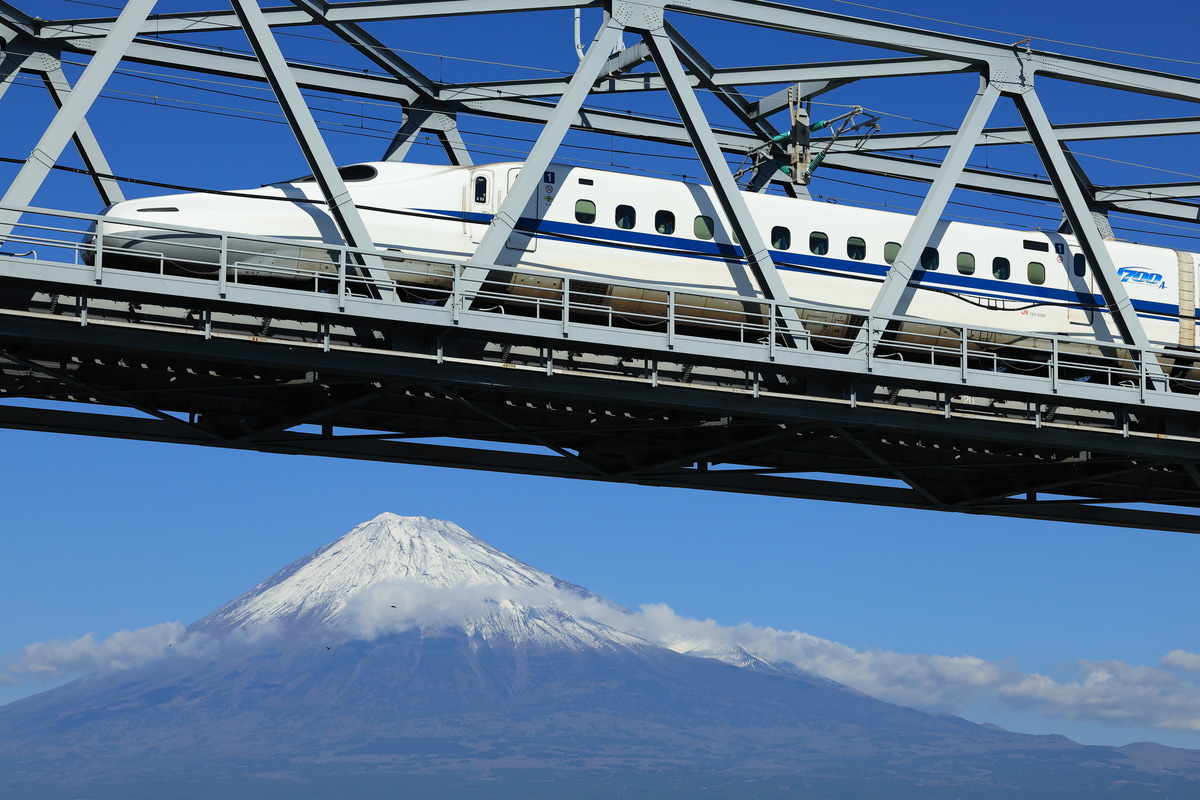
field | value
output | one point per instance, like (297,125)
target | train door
(480,201)
(523,237)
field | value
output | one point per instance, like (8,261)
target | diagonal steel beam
(10,68)
(85,141)
(896,472)
(891,298)
(68,119)
(444,125)
(733,203)
(492,244)
(15,23)
(703,71)
(1076,209)
(375,50)
(308,136)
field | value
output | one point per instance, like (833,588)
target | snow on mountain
(395,573)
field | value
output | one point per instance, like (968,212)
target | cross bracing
(727,114)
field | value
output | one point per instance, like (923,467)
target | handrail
(1058,357)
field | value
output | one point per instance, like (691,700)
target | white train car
(601,228)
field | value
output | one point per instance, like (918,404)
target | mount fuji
(409,658)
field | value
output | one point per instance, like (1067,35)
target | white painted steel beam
(372,10)
(733,203)
(893,295)
(372,48)
(1076,132)
(1077,211)
(71,115)
(443,125)
(838,73)
(85,141)
(777,16)
(491,246)
(619,124)
(702,77)
(15,23)
(308,136)
(10,68)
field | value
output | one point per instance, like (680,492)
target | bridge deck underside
(256,378)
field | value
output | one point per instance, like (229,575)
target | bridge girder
(768,449)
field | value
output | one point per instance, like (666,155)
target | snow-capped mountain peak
(394,573)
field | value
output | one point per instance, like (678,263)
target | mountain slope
(411,650)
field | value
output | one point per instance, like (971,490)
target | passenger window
(856,248)
(703,227)
(890,251)
(481,189)
(966,263)
(1079,262)
(585,211)
(625,217)
(781,238)
(818,243)
(930,258)
(1000,269)
(664,222)
(1037,273)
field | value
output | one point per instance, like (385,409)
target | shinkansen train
(604,229)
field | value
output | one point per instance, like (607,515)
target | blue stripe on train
(680,247)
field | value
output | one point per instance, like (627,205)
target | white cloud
(1181,659)
(930,682)
(396,605)
(1112,692)
(122,650)
(1166,696)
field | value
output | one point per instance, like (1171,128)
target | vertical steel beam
(308,136)
(68,119)
(733,203)
(530,178)
(1075,207)
(893,295)
(85,141)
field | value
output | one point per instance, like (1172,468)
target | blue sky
(104,536)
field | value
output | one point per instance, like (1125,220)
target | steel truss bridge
(354,366)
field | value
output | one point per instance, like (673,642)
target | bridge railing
(664,315)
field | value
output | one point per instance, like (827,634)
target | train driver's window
(1000,268)
(481,189)
(703,227)
(664,222)
(818,243)
(625,217)
(930,258)
(781,238)
(890,251)
(966,264)
(585,211)
(1036,273)
(856,248)
(1079,262)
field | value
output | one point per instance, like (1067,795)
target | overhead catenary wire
(377,133)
